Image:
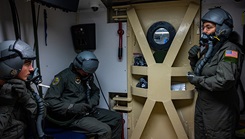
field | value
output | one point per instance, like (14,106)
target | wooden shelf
(175,71)
(141,92)
(140,70)
(122,108)
(187,94)
(122,99)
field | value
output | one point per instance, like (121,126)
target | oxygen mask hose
(40,116)
(206,40)
(35,78)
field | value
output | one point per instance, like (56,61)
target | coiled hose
(40,116)
(36,78)
(205,40)
(203,61)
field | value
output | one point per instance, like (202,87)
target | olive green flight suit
(217,105)
(69,88)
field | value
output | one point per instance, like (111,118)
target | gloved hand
(18,86)
(193,55)
(193,51)
(81,109)
(193,79)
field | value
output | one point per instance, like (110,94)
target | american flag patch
(231,54)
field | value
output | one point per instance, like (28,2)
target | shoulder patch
(77,80)
(231,56)
(231,53)
(55,81)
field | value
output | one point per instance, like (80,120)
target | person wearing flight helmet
(17,105)
(216,70)
(72,99)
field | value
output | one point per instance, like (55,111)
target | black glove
(193,51)
(81,109)
(193,79)
(193,55)
(18,86)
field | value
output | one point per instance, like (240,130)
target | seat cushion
(59,133)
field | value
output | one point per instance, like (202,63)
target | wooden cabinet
(158,111)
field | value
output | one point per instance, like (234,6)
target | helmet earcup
(11,68)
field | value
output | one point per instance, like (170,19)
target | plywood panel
(161,111)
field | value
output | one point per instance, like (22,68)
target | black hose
(203,61)
(40,116)
(36,78)
(102,91)
(205,40)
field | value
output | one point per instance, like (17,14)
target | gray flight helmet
(86,61)
(222,19)
(13,54)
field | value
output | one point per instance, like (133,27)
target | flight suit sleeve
(224,77)
(53,97)
(7,101)
(5,112)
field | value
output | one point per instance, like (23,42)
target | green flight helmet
(13,54)
(222,19)
(86,61)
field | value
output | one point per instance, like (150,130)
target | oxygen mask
(205,39)
(35,77)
